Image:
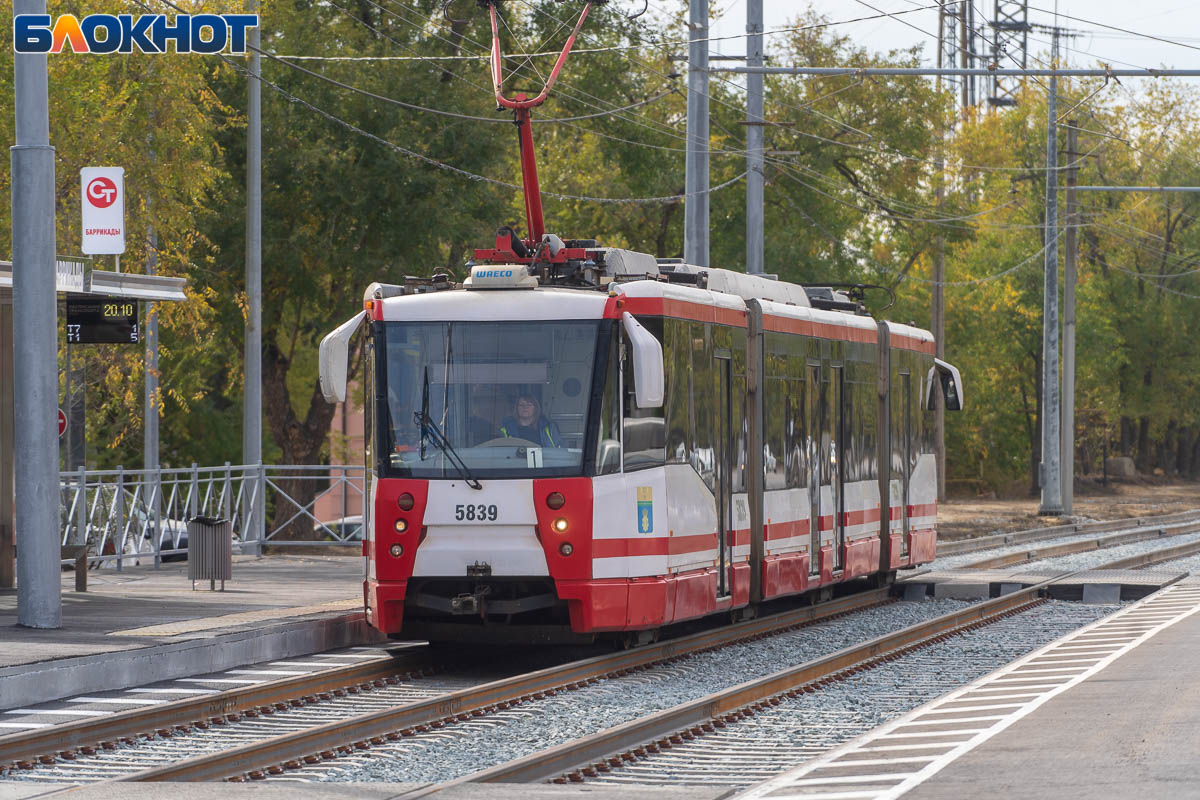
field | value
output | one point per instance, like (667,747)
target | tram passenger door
(814,399)
(906,452)
(836,462)
(826,447)
(725,457)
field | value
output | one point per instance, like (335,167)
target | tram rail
(357,732)
(590,756)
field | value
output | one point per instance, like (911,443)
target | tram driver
(531,424)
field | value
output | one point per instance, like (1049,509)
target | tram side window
(705,390)
(775,408)
(643,429)
(739,425)
(796,469)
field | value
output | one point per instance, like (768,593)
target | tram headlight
(401,525)
(559,525)
(396,550)
(566,549)
(405,501)
(555,500)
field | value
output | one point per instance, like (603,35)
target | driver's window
(644,430)
(608,444)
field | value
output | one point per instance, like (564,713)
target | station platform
(1111,710)
(144,624)
(1098,586)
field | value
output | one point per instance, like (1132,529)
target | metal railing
(140,516)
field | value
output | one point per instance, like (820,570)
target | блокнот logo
(122,33)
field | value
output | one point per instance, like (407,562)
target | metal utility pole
(1070,244)
(150,429)
(695,221)
(754,139)
(252,402)
(946,31)
(35,326)
(1050,472)
(76,436)
(7,578)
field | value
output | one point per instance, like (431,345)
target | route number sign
(102,322)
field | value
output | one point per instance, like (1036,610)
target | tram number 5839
(476,512)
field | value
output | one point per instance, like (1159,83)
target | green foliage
(852,196)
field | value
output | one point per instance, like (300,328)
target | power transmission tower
(958,37)
(1010,45)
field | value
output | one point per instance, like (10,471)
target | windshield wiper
(435,435)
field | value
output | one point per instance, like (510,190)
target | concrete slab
(1134,584)
(960,591)
(144,624)
(1102,593)
(22,791)
(915,592)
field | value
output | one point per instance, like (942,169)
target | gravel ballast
(785,736)
(470,746)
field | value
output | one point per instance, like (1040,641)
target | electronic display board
(105,321)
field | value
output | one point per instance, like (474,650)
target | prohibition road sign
(62,423)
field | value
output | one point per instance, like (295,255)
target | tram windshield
(509,399)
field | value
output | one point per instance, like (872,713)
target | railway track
(295,725)
(701,741)
(1000,540)
(1010,551)
(291,722)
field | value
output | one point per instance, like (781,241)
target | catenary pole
(35,326)
(695,220)
(8,578)
(150,432)
(252,402)
(1071,248)
(754,140)
(1051,504)
(937,310)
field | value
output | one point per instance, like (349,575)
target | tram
(578,442)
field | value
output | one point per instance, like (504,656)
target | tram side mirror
(334,357)
(648,372)
(951,382)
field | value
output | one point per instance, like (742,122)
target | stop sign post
(103,208)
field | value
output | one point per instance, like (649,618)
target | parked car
(345,529)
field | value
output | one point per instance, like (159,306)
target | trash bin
(210,551)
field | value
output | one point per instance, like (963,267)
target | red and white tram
(635,445)
(581,441)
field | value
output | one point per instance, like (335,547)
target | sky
(1169,19)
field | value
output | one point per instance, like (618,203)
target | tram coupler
(469,602)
